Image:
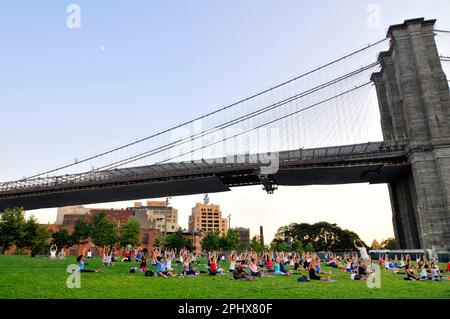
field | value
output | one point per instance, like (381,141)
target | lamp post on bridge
(165,218)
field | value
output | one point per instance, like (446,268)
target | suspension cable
(210,113)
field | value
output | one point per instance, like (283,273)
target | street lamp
(165,219)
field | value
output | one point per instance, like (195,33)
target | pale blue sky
(136,67)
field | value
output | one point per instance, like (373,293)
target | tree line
(30,237)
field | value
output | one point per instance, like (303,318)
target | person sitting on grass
(402,262)
(106,256)
(169,255)
(232,258)
(319,268)
(62,254)
(410,275)
(447,269)
(138,256)
(239,272)
(127,256)
(362,270)
(81,264)
(283,269)
(161,268)
(332,262)
(296,262)
(422,273)
(53,250)
(268,263)
(143,265)
(435,272)
(212,261)
(188,269)
(312,272)
(254,270)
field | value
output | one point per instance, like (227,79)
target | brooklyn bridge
(303,131)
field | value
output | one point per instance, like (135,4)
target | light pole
(229,221)
(165,219)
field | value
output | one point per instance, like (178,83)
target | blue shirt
(160,266)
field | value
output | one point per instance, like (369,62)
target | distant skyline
(136,68)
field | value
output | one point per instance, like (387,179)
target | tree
(158,242)
(103,231)
(375,245)
(297,246)
(129,233)
(62,238)
(230,241)
(81,231)
(35,237)
(279,245)
(321,236)
(309,248)
(256,246)
(389,243)
(11,227)
(211,241)
(176,241)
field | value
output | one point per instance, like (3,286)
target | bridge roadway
(376,162)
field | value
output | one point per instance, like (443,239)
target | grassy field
(26,277)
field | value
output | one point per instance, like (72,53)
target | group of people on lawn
(251,265)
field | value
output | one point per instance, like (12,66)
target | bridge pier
(414,101)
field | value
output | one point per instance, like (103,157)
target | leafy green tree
(256,246)
(189,245)
(159,242)
(176,241)
(279,245)
(35,237)
(309,248)
(297,246)
(211,241)
(230,241)
(389,243)
(322,235)
(81,231)
(103,231)
(62,238)
(129,233)
(12,225)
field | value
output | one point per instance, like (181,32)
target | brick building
(207,217)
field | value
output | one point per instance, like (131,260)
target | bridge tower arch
(414,102)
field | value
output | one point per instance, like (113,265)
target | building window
(145,239)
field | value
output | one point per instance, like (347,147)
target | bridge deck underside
(360,163)
(377,173)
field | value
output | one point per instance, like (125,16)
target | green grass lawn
(26,277)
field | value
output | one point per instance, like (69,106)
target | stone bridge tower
(414,102)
